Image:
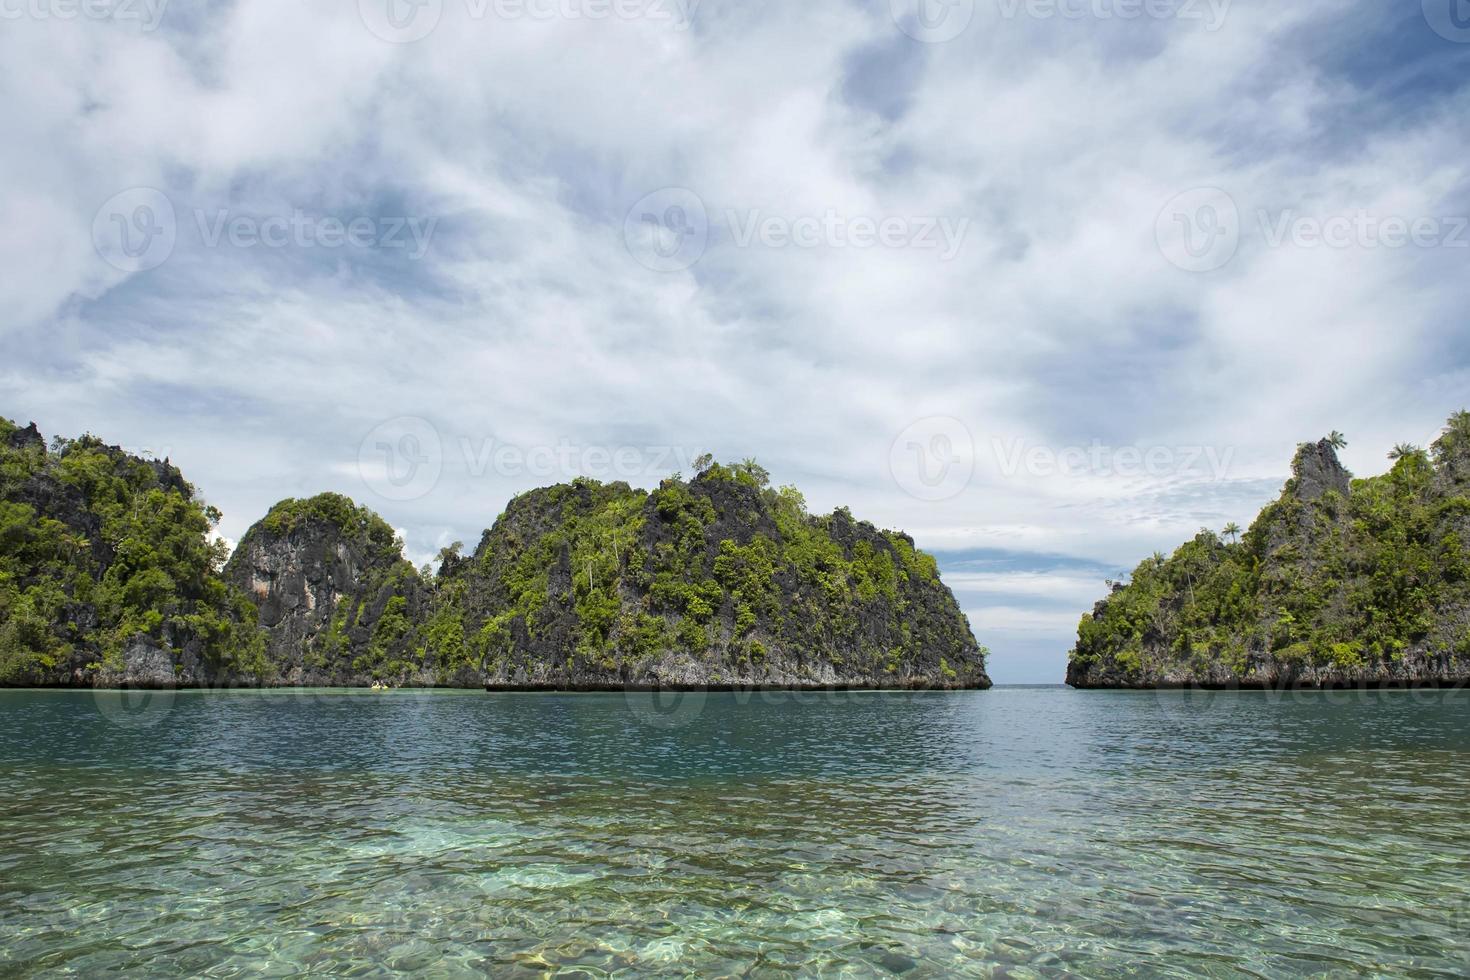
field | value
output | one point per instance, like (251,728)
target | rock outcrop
(721,581)
(336,599)
(110,577)
(1337,583)
(1317,471)
(718,582)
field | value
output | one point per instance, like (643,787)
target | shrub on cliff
(722,575)
(1337,579)
(109,574)
(100,550)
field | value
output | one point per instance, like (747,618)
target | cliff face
(1339,582)
(337,601)
(107,572)
(109,577)
(720,581)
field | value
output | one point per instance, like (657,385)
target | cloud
(529,322)
(1071,591)
(1018,619)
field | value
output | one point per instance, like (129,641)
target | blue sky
(1050,285)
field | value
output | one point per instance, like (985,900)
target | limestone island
(1338,583)
(110,576)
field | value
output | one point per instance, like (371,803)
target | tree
(756,471)
(1337,440)
(1403,451)
(1456,437)
(1232,531)
(450,558)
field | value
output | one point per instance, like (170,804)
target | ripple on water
(1017,833)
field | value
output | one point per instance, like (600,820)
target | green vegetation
(595,583)
(722,576)
(100,550)
(723,570)
(337,510)
(1338,575)
(352,606)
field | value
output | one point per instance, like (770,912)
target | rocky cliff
(720,581)
(110,576)
(337,602)
(1338,582)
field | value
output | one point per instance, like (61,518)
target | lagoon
(1016,832)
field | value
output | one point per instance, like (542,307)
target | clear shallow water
(1016,832)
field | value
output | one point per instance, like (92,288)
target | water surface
(1016,832)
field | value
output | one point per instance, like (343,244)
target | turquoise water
(1016,832)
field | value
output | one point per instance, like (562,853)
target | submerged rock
(898,963)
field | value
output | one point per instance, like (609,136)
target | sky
(1049,284)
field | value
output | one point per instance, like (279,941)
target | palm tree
(1403,451)
(760,473)
(1232,531)
(1337,440)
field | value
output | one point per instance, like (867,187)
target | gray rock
(143,665)
(322,574)
(1317,470)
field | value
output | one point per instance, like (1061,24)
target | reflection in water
(1018,832)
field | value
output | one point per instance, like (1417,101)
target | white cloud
(1074,590)
(1058,324)
(1020,619)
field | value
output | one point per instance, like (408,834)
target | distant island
(110,577)
(1339,582)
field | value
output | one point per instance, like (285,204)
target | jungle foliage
(1332,580)
(100,549)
